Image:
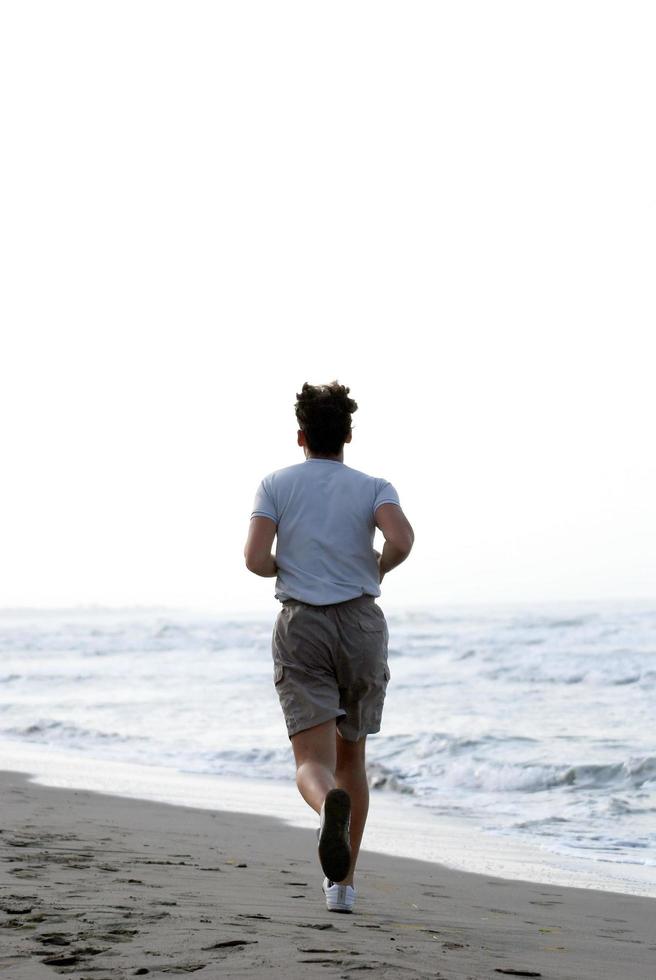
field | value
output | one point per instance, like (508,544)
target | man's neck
(334,459)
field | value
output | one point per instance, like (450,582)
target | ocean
(526,730)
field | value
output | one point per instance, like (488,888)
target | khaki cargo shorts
(331,662)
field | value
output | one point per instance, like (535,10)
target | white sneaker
(339,898)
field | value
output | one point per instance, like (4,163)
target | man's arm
(398,534)
(257,550)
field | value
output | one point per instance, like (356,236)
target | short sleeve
(385,494)
(263,505)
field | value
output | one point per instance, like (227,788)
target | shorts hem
(317,721)
(369,731)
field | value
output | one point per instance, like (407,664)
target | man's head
(324,414)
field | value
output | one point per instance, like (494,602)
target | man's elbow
(403,542)
(253,564)
(406,545)
(249,558)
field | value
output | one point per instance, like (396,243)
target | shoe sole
(334,849)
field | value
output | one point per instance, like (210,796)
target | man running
(330,637)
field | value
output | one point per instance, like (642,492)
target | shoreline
(112,885)
(398,825)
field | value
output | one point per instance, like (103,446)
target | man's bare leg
(315,752)
(325,760)
(351,775)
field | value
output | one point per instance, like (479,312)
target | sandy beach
(102,887)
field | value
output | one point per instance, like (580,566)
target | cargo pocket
(286,696)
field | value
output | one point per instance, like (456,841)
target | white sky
(450,207)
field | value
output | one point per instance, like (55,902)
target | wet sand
(105,887)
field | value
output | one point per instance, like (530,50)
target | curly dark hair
(324,414)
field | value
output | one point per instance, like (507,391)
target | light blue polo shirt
(324,511)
